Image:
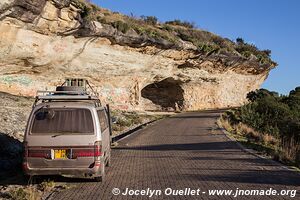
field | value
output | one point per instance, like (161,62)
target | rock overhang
(39,54)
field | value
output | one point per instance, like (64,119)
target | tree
(260,94)
(267,52)
(240,41)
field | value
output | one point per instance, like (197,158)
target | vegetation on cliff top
(271,122)
(174,32)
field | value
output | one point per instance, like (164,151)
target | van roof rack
(73,89)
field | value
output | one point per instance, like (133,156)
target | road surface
(185,151)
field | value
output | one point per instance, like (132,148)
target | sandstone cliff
(140,67)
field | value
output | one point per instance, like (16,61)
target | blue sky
(269,24)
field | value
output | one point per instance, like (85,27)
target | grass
(34,191)
(128,120)
(121,26)
(29,193)
(46,185)
(265,144)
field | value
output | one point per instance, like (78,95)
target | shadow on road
(227,153)
(211,146)
(195,116)
(261,177)
(205,114)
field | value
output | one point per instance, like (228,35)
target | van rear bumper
(73,172)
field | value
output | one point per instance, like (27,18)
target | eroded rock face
(42,43)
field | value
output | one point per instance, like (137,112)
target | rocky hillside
(135,63)
(14,112)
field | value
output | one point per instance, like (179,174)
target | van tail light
(89,151)
(97,150)
(34,152)
(83,152)
(39,153)
(72,153)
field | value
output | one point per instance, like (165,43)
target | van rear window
(63,121)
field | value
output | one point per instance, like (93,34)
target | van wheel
(102,177)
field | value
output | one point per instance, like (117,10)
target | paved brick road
(185,151)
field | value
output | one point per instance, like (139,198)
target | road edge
(133,130)
(252,151)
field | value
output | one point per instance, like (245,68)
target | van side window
(103,120)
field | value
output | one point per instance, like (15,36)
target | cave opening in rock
(166,94)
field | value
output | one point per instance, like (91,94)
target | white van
(68,133)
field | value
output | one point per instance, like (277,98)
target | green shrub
(24,194)
(267,52)
(140,30)
(123,122)
(275,116)
(181,23)
(218,41)
(245,49)
(85,7)
(247,54)
(101,20)
(151,32)
(208,48)
(205,41)
(240,41)
(186,36)
(152,20)
(121,26)
(47,185)
(167,28)
(173,31)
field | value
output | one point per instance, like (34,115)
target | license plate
(60,154)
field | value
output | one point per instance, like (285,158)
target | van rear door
(62,138)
